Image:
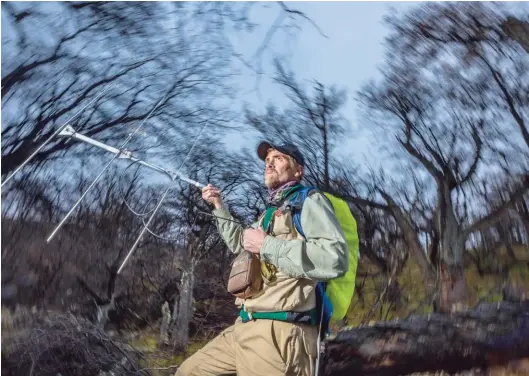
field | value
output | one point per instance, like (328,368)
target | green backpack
(337,293)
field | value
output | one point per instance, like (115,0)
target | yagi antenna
(68,131)
(124,154)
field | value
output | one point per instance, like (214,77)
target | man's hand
(253,240)
(212,195)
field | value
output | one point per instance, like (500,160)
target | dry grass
(413,292)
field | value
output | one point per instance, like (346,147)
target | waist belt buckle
(246,317)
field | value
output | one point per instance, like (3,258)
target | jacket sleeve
(231,232)
(323,255)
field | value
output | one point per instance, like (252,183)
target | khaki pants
(260,347)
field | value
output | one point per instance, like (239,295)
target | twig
(302,15)
(158,368)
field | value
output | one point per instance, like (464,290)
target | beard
(271,180)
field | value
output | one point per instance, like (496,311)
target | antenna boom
(68,131)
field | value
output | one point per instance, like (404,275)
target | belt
(308,317)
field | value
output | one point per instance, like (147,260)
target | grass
(413,296)
(163,362)
(413,292)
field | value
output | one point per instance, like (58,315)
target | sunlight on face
(280,169)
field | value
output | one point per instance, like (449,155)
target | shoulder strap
(298,199)
(322,300)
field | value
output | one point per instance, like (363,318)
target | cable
(146,228)
(125,200)
(226,219)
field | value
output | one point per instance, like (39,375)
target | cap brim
(263,148)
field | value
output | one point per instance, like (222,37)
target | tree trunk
(166,321)
(517,30)
(182,318)
(412,241)
(487,336)
(523,213)
(326,178)
(102,313)
(453,287)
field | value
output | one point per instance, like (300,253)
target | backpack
(334,296)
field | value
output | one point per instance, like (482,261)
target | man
(263,341)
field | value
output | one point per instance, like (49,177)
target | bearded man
(277,330)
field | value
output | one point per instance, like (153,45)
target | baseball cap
(285,148)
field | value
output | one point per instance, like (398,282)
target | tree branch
(496,215)
(99,301)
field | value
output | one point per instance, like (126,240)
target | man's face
(280,170)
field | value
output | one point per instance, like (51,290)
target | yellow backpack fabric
(341,290)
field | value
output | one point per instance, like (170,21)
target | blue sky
(347,58)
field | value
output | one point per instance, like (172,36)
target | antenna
(69,131)
(54,134)
(124,154)
(66,130)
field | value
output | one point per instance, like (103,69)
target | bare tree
(116,66)
(489,37)
(420,102)
(313,122)
(31,271)
(172,66)
(200,242)
(45,86)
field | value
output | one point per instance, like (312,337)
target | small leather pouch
(245,277)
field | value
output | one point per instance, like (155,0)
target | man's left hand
(253,240)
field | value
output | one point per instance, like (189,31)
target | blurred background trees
(443,220)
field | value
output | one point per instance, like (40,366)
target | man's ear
(299,172)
